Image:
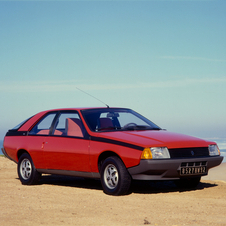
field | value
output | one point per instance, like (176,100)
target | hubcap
(111,176)
(25,169)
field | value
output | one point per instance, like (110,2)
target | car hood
(153,138)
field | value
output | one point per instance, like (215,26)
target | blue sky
(164,59)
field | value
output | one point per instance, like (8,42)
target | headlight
(155,153)
(214,150)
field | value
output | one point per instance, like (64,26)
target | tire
(187,182)
(26,170)
(115,178)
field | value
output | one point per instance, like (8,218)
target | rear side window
(43,127)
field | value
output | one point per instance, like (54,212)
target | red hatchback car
(113,144)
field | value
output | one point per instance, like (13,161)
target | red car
(113,144)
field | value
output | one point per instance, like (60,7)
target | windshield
(114,119)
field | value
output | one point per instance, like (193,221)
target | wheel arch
(105,155)
(21,152)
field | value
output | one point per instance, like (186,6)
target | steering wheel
(128,125)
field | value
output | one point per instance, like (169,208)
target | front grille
(189,152)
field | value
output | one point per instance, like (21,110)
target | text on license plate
(193,170)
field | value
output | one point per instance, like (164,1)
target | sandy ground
(73,201)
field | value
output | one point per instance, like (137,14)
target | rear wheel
(115,178)
(26,170)
(187,182)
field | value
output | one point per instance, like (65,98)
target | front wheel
(115,178)
(26,170)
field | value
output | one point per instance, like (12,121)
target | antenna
(92,96)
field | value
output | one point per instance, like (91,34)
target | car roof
(82,108)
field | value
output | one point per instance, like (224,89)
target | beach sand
(217,173)
(73,201)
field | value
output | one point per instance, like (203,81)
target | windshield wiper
(110,128)
(156,128)
(139,127)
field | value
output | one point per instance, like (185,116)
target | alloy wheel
(111,176)
(25,169)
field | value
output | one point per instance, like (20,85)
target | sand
(74,201)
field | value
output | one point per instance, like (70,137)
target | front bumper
(169,169)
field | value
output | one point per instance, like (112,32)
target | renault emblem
(192,153)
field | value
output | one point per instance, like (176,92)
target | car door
(67,148)
(37,137)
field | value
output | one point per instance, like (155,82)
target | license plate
(193,170)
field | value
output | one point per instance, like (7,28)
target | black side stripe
(120,143)
(99,139)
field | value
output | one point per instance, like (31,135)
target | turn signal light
(146,154)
